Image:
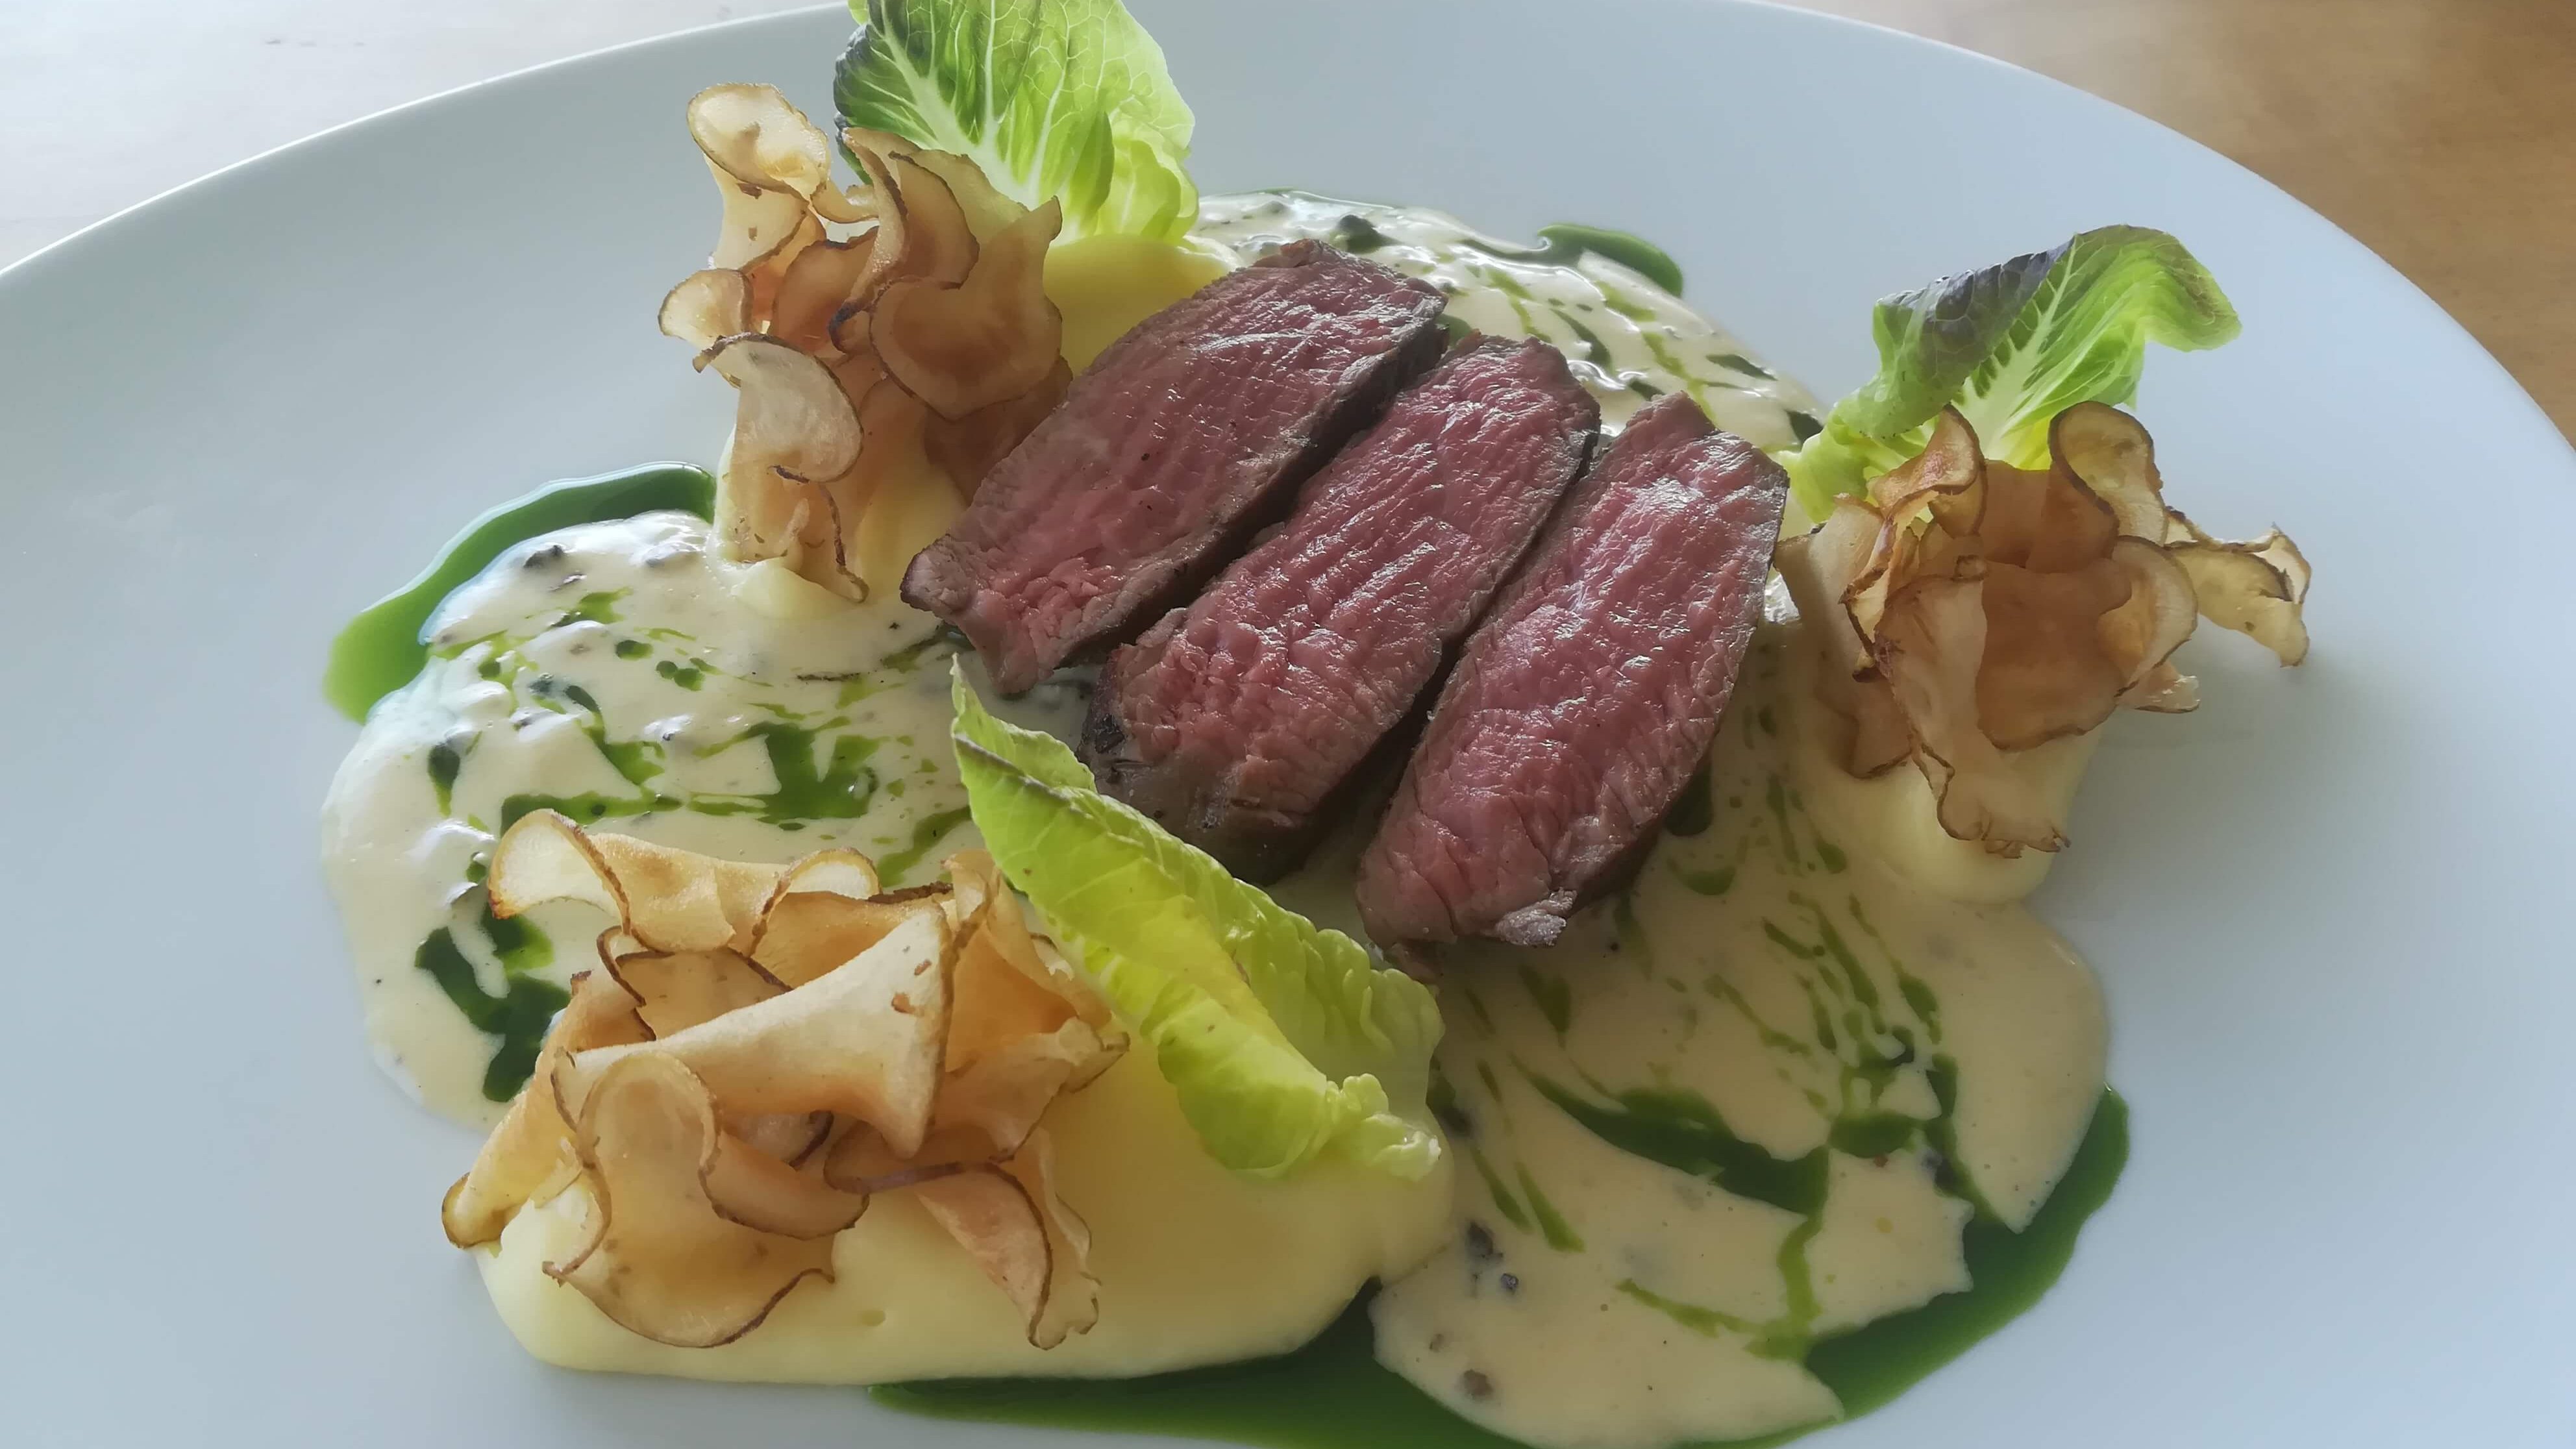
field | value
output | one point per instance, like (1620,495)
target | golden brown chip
(810,933)
(1073,1294)
(987,211)
(760,228)
(749,1186)
(990,1215)
(2256,589)
(864,1041)
(658,1257)
(707,305)
(823,279)
(1009,1219)
(753,134)
(986,339)
(794,433)
(1967,610)
(938,245)
(676,990)
(530,1147)
(2044,672)
(668,900)
(731,1102)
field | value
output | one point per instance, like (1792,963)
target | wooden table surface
(2440,132)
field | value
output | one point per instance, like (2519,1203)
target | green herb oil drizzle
(1333,1394)
(382,649)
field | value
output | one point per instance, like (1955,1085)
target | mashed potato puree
(1197,1265)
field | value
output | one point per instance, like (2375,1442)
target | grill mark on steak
(1584,702)
(1240,722)
(1188,435)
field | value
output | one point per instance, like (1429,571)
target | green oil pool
(381,649)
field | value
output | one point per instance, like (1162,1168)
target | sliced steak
(1582,705)
(1186,436)
(1237,721)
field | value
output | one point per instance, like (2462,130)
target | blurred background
(2442,133)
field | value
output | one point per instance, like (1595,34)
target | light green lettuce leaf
(1284,1043)
(1062,98)
(2011,346)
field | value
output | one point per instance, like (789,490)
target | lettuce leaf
(1284,1043)
(1062,98)
(2011,346)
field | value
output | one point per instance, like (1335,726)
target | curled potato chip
(863,1041)
(769,1047)
(966,361)
(668,900)
(2256,589)
(938,246)
(795,431)
(807,935)
(758,1189)
(659,1257)
(1969,610)
(676,990)
(985,339)
(752,134)
(531,1145)
(760,229)
(1035,1249)
(707,305)
(821,282)
(987,211)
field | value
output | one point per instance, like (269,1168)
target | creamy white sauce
(1628,339)
(622,644)
(1756,972)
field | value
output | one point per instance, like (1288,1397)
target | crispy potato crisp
(763,1049)
(879,336)
(1969,610)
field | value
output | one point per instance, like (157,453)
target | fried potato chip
(863,1041)
(530,1147)
(658,1257)
(985,339)
(668,900)
(676,990)
(767,1048)
(2256,589)
(803,936)
(752,133)
(706,306)
(964,365)
(795,431)
(758,1190)
(1968,610)
(824,279)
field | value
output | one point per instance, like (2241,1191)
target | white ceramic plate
(2329,907)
